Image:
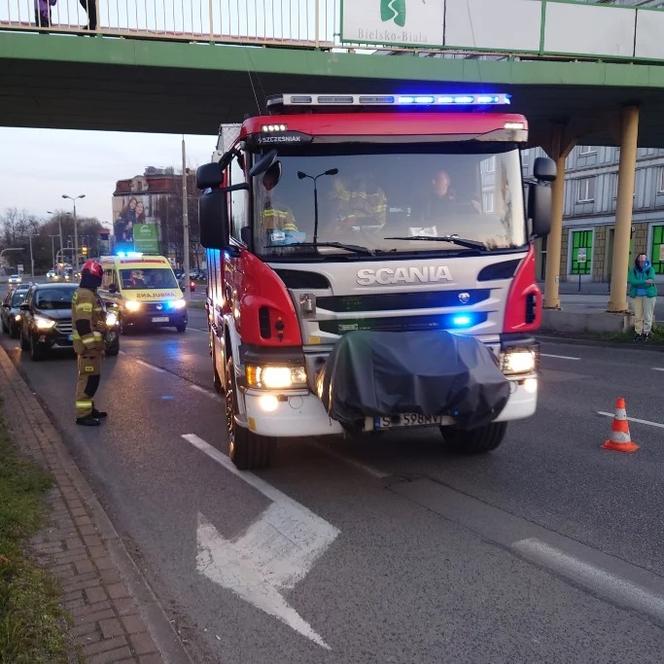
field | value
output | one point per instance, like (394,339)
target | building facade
(591,185)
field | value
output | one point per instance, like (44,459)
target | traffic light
(84,251)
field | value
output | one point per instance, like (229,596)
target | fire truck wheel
(246,449)
(475,441)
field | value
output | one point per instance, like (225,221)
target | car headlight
(519,362)
(111,318)
(178,304)
(274,377)
(132,305)
(44,323)
(17,317)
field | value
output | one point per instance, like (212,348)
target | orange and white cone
(620,440)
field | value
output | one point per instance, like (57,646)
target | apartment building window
(585,191)
(487,201)
(660,180)
(587,149)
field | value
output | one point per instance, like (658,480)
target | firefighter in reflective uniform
(275,216)
(88,322)
(358,202)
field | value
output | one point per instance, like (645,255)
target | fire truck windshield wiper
(355,248)
(454,239)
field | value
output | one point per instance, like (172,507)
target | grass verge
(32,624)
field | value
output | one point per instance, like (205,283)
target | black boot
(88,421)
(99,414)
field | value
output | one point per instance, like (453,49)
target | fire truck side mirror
(539,208)
(213,219)
(544,169)
(209,175)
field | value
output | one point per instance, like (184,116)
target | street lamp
(53,249)
(59,228)
(73,199)
(301,176)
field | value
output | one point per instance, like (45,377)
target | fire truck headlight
(518,362)
(111,319)
(268,403)
(274,377)
(530,384)
(132,305)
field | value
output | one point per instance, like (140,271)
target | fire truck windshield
(313,204)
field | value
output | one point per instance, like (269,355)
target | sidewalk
(116,618)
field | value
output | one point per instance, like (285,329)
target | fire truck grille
(403,301)
(405,323)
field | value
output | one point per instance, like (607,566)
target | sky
(37,166)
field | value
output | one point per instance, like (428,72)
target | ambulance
(143,290)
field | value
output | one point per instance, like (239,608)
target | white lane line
(195,329)
(658,368)
(207,393)
(560,357)
(271,556)
(358,465)
(634,419)
(150,366)
(617,589)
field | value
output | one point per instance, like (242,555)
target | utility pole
(185,222)
(32,259)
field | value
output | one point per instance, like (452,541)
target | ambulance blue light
(462,320)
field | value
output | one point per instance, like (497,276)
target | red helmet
(93,268)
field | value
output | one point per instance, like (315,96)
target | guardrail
(525,28)
(308,23)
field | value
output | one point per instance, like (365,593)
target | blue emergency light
(462,320)
(465,99)
(129,254)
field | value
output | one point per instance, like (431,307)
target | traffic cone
(620,440)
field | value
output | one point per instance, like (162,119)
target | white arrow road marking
(271,556)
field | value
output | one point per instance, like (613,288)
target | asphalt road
(547,550)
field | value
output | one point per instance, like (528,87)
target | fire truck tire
(475,441)
(246,449)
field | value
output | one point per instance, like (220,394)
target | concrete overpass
(108,81)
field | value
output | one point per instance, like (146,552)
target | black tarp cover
(428,372)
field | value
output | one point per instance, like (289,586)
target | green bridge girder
(103,83)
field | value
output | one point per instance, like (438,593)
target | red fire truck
(370,266)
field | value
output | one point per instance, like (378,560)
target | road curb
(116,615)
(580,341)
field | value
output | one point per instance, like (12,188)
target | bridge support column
(558,149)
(624,205)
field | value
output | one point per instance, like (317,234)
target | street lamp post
(32,259)
(73,200)
(53,249)
(302,176)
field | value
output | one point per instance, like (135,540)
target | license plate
(160,319)
(410,420)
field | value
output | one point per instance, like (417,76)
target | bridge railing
(310,23)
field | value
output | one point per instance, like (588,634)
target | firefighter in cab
(88,322)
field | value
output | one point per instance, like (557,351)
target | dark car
(47,322)
(11,312)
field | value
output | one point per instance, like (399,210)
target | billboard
(135,224)
(396,22)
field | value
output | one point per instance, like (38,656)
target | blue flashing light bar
(129,254)
(461,99)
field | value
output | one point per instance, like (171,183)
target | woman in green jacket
(643,292)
